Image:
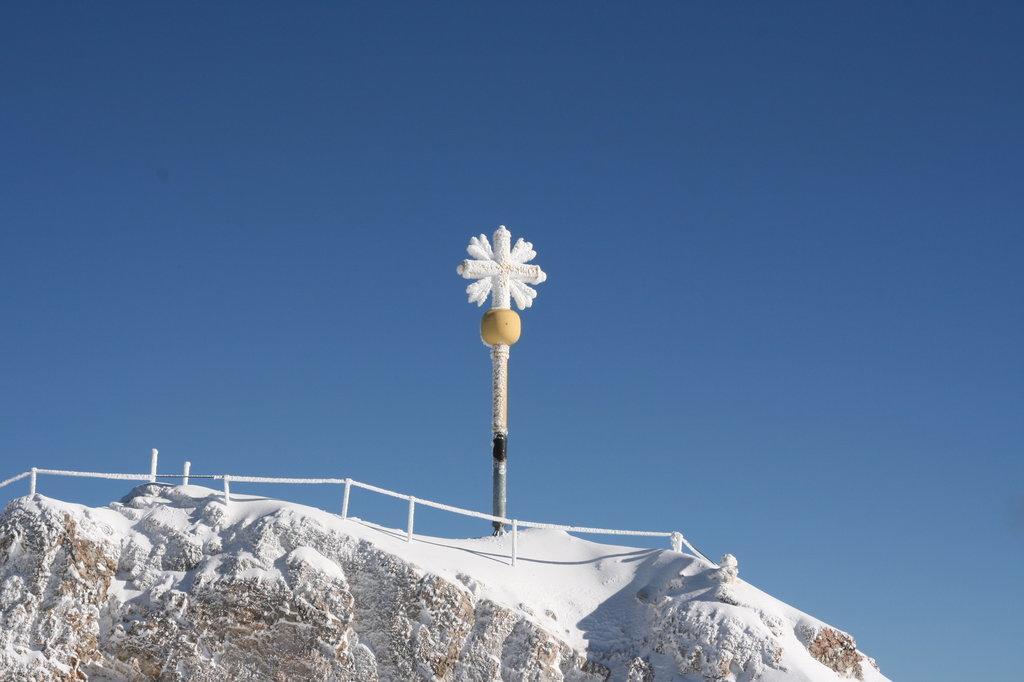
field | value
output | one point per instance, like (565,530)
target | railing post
(185,472)
(227,490)
(412,516)
(515,541)
(344,499)
(677,541)
(32,483)
(152,465)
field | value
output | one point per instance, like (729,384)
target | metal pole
(185,472)
(344,500)
(499,424)
(32,484)
(152,465)
(501,271)
(412,516)
(227,490)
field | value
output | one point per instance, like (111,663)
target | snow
(591,586)
(315,559)
(501,271)
(596,597)
(554,567)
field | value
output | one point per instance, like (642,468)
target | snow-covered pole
(499,428)
(677,541)
(152,465)
(515,541)
(412,518)
(502,272)
(32,483)
(227,490)
(185,472)
(344,499)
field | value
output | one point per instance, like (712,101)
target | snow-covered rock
(171,584)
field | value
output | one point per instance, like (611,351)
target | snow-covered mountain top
(165,584)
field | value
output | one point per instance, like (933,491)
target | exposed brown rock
(838,651)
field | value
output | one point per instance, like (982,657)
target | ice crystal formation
(501,270)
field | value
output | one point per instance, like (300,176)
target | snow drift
(171,584)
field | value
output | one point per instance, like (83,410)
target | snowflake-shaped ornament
(501,271)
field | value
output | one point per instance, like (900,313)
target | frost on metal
(501,271)
(499,392)
(351,483)
(14,479)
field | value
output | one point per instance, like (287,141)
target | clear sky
(784,246)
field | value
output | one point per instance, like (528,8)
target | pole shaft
(412,518)
(185,472)
(499,426)
(344,499)
(152,465)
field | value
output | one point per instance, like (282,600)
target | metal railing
(676,538)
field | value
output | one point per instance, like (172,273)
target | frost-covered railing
(676,538)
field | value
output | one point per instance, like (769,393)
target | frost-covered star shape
(501,271)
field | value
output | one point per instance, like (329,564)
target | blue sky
(784,249)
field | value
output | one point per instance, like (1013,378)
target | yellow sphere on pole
(502,271)
(500,326)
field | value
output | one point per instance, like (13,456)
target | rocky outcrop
(835,649)
(166,585)
(299,602)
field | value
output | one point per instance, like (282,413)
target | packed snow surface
(161,584)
